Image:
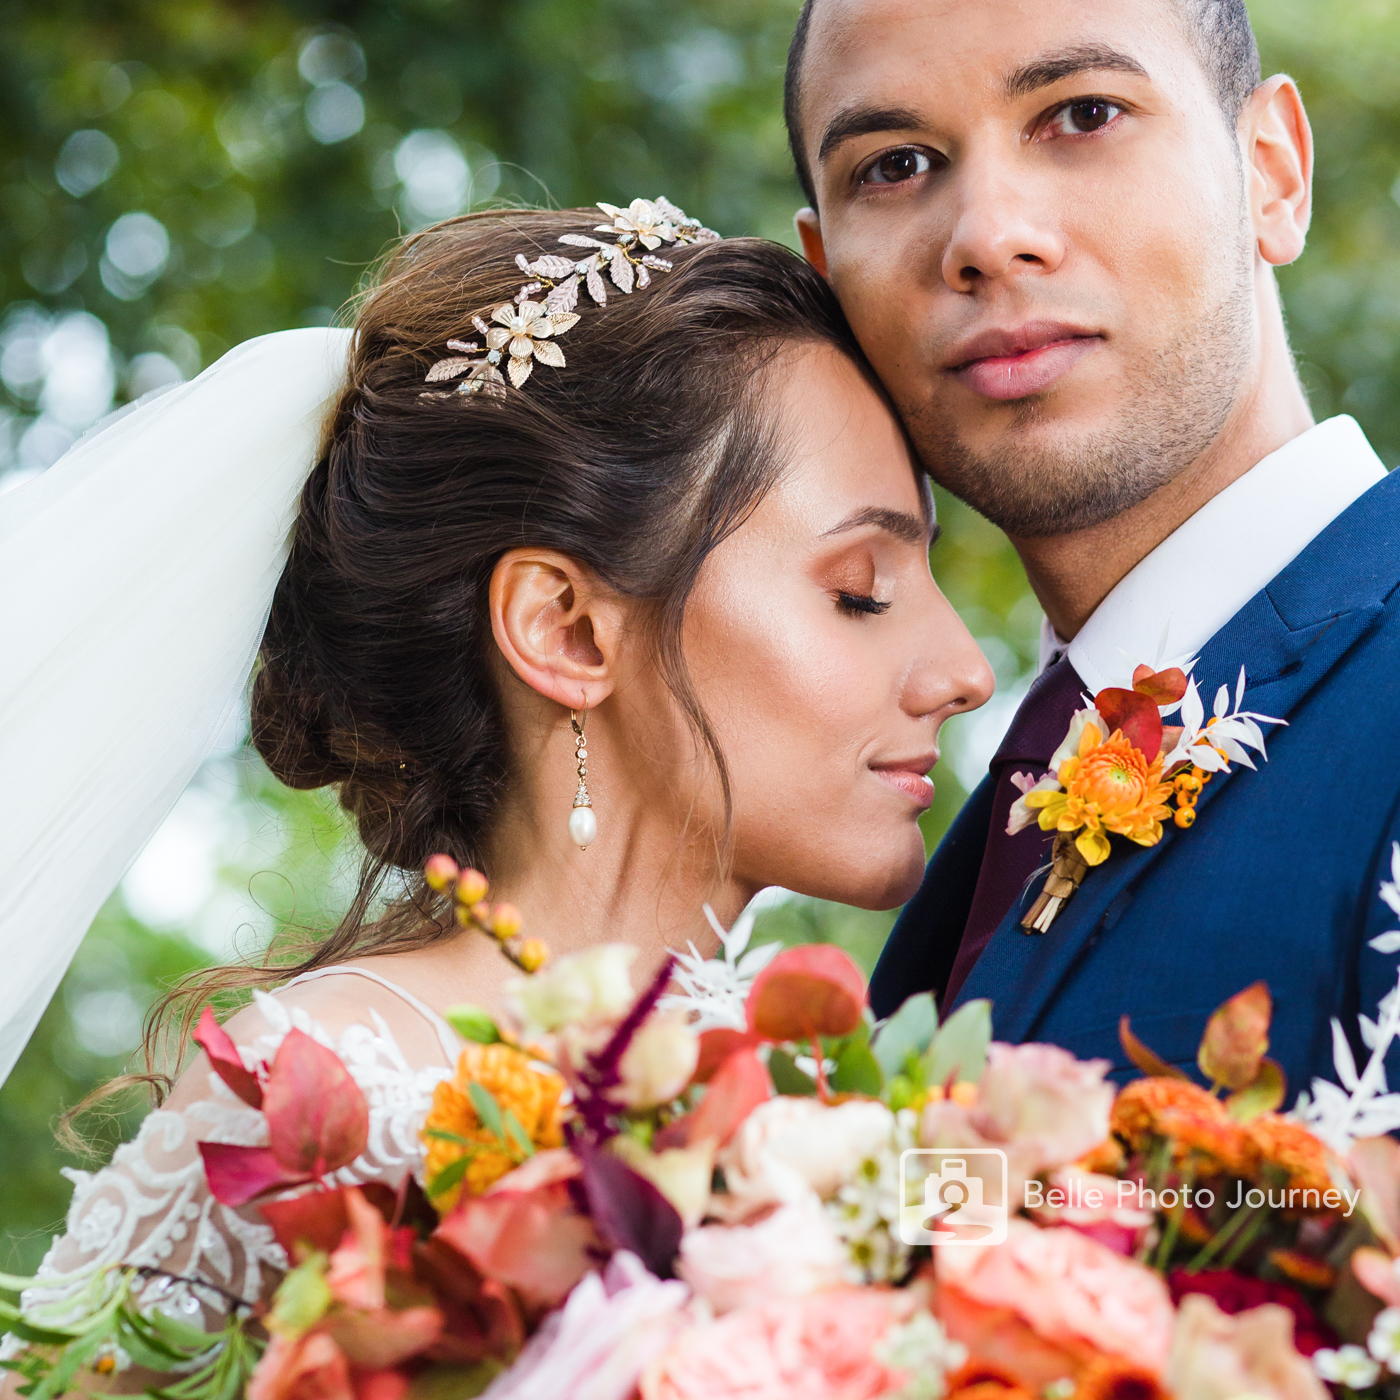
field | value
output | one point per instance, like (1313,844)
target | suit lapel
(1288,638)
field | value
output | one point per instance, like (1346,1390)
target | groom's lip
(910,776)
(1015,363)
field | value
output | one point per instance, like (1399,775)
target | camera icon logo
(953,1196)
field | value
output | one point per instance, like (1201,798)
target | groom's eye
(1083,117)
(894,167)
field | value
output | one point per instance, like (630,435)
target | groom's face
(1034,214)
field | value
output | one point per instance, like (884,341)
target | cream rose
(788,1147)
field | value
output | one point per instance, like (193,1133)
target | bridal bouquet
(749,1188)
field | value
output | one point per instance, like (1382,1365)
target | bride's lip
(910,776)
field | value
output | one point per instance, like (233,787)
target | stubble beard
(1177,409)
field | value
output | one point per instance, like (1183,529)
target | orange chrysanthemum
(1284,1146)
(984,1380)
(1109,787)
(1193,1121)
(1110,1378)
(1106,1159)
(1306,1269)
(508,1075)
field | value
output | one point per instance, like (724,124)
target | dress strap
(450,1041)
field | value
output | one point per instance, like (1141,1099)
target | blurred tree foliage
(178,175)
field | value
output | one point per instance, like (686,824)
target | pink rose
(310,1368)
(601,1340)
(1215,1356)
(821,1347)
(1088,1202)
(1068,1287)
(789,1147)
(1043,1099)
(791,1252)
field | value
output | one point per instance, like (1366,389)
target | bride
(617,590)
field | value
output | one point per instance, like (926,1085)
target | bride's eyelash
(853,603)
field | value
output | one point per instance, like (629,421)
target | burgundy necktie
(1009,861)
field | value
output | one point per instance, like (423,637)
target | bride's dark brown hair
(636,459)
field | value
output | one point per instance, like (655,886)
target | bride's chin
(880,882)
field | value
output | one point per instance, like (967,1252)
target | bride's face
(823,653)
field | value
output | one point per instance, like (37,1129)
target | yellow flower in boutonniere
(1120,769)
(1108,786)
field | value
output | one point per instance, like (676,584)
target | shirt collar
(1172,603)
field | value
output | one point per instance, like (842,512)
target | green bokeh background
(276,149)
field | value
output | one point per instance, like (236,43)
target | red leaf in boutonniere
(1119,770)
(1134,716)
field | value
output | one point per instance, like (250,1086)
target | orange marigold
(1194,1121)
(1288,1147)
(508,1075)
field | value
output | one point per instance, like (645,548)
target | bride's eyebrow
(910,529)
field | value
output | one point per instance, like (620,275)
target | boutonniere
(1122,772)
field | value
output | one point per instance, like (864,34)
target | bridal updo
(637,458)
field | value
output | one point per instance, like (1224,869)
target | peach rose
(1068,1286)
(821,1347)
(1040,1097)
(310,1368)
(1216,1356)
(789,1253)
(789,1147)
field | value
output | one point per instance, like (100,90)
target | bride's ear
(809,233)
(557,628)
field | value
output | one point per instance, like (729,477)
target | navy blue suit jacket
(1276,880)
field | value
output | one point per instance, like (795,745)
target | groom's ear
(558,629)
(809,231)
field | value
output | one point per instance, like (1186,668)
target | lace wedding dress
(151,1207)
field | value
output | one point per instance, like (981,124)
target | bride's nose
(953,675)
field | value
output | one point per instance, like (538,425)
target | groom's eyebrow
(866,121)
(911,529)
(1067,63)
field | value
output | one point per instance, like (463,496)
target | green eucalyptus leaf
(857,1071)
(472,1023)
(786,1077)
(302,1297)
(959,1049)
(450,1175)
(908,1032)
(516,1129)
(487,1109)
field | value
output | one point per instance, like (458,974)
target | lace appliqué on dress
(150,1207)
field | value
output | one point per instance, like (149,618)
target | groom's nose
(1002,227)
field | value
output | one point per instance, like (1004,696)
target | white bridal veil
(136,576)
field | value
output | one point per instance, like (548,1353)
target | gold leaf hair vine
(526,330)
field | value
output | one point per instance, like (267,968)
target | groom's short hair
(1220,33)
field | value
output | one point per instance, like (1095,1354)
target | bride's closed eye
(857,603)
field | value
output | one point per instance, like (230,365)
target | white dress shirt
(1171,604)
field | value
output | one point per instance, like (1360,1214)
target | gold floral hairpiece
(526,330)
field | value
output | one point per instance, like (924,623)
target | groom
(1054,227)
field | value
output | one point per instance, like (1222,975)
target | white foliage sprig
(1212,747)
(1361,1104)
(714,990)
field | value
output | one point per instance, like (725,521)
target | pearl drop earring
(583,825)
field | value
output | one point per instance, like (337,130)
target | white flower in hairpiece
(525,330)
(642,219)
